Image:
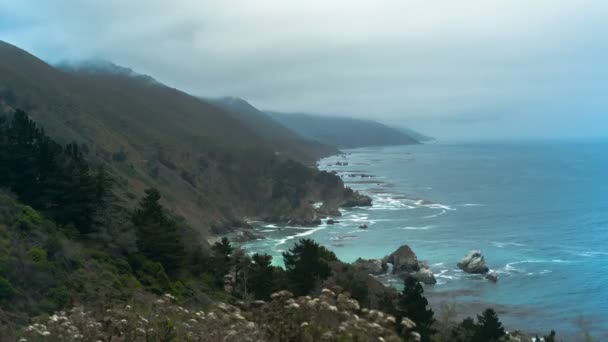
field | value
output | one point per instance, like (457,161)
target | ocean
(538,211)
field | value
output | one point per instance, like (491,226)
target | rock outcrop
(353,198)
(371,266)
(426,276)
(403,263)
(328,209)
(404,260)
(492,276)
(473,262)
(304,216)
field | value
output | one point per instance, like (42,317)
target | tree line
(54,179)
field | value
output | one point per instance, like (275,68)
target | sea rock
(330,221)
(492,276)
(363,226)
(328,209)
(473,262)
(426,276)
(371,266)
(353,198)
(404,260)
(304,216)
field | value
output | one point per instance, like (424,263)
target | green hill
(212,168)
(283,139)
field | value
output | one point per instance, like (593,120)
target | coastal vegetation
(115,235)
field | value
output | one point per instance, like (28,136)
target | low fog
(473,69)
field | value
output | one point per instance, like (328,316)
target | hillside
(281,138)
(212,168)
(343,132)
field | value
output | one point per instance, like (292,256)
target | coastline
(416,212)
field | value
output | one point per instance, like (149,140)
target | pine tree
(261,276)
(307,264)
(489,328)
(413,305)
(157,236)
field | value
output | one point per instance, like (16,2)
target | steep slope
(210,167)
(282,139)
(343,132)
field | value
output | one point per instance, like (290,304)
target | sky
(464,69)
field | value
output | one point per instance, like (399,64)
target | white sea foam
(504,244)
(270,226)
(418,228)
(442,212)
(472,205)
(308,231)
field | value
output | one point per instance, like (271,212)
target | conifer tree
(489,328)
(307,264)
(413,305)
(157,236)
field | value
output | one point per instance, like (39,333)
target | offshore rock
(473,262)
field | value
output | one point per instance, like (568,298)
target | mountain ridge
(212,168)
(343,132)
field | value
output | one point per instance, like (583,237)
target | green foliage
(261,276)
(157,236)
(307,264)
(6,289)
(413,305)
(150,274)
(48,177)
(38,256)
(487,329)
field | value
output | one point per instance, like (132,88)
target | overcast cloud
(476,69)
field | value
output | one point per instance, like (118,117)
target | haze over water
(537,210)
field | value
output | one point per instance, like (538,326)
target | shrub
(6,289)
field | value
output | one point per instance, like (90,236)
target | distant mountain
(343,132)
(416,135)
(281,138)
(213,167)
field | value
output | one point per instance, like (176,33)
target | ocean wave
(590,254)
(500,244)
(443,275)
(306,233)
(510,267)
(472,205)
(418,228)
(436,215)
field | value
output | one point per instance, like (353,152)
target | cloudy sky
(452,69)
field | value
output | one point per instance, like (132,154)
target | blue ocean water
(537,210)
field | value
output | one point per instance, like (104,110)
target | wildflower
(304,324)
(45,333)
(293,306)
(123,321)
(333,308)
(169,296)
